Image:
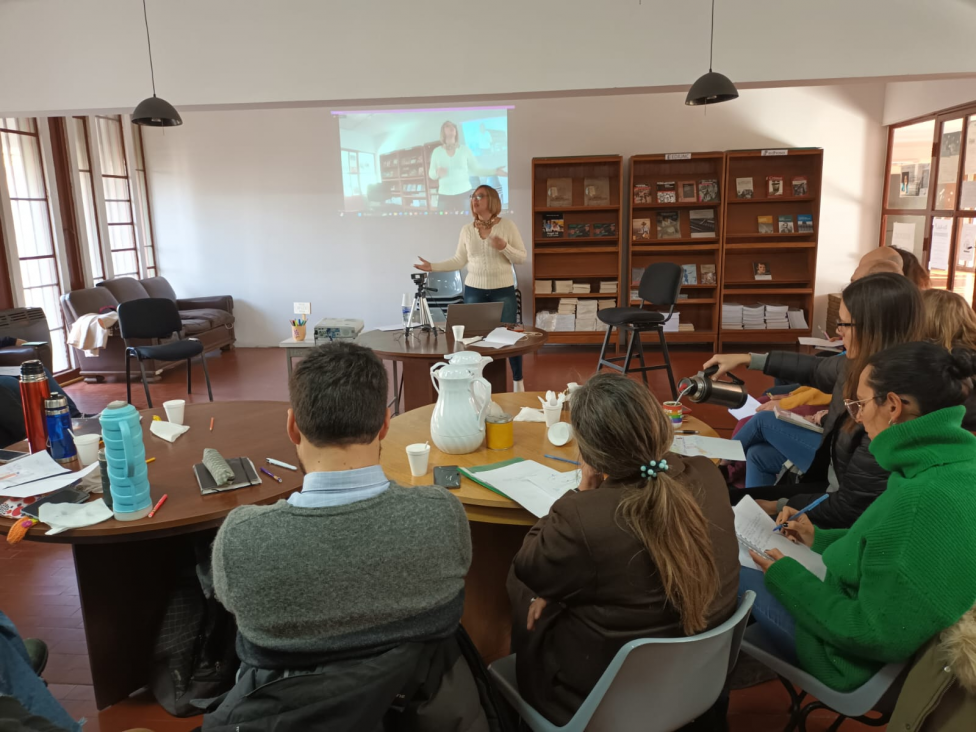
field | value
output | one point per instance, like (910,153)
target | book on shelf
(731,316)
(800,187)
(673,324)
(607,230)
(761,271)
(702,223)
(604,304)
(642,193)
(562,286)
(608,287)
(668,226)
(687,192)
(765,224)
(596,191)
(743,188)
(786,224)
(635,295)
(689,274)
(797,320)
(559,192)
(666,192)
(708,190)
(564,323)
(804,223)
(642,228)
(708,276)
(683,296)
(686,327)
(567,305)
(636,274)
(774,186)
(553,225)
(543,287)
(579,231)
(777,317)
(581,288)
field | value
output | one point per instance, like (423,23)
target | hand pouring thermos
(701,389)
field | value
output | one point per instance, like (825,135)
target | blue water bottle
(59,441)
(126,458)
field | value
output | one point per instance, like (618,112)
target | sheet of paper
(26,470)
(967,243)
(710,447)
(941,243)
(390,328)
(501,337)
(756,527)
(969,167)
(532,485)
(746,410)
(822,342)
(903,236)
(46,485)
(63,516)
(967,199)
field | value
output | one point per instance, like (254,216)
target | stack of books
(634,295)
(603,305)
(731,316)
(586,315)
(567,306)
(564,322)
(543,287)
(673,324)
(545,320)
(563,287)
(686,328)
(797,320)
(777,317)
(581,288)
(608,287)
(754,317)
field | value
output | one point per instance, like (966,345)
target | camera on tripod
(420,280)
(420,316)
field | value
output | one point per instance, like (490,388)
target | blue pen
(562,460)
(800,513)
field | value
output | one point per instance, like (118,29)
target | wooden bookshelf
(701,307)
(790,256)
(404,173)
(589,259)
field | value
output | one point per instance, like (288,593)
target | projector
(329,330)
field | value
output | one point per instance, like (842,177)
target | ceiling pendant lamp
(713,87)
(154,112)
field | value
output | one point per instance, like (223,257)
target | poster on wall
(941,242)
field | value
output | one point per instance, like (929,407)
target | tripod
(420,316)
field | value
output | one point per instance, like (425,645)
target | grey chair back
(660,283)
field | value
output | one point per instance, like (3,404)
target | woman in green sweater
(906,569)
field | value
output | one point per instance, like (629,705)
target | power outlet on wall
(303,308)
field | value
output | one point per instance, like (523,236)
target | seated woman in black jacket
(877,311)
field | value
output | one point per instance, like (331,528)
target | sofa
(208,319)
(26,324)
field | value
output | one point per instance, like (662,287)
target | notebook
(532,485)
(754,530)
(244,475)
(797,420)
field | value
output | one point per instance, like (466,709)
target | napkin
(528,414)
(495,410)
(167,430)
(560,398)
(63,516)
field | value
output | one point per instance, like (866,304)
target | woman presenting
(488,246)
(452,165)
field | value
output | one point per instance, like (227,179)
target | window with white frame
(120,218)
(88,195)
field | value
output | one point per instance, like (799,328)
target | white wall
(58,55)
(246,202)
(910,99)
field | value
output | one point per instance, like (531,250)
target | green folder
(472,473)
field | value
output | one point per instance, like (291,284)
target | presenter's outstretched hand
(497,242)
(424,265)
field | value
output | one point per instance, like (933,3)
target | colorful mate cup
(674,410)
(298,332)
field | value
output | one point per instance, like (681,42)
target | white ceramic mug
(418,454)
(174,410)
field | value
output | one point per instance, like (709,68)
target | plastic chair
(851,704)
(157,318)
(653,684)
(659,285)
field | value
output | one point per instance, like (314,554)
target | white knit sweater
(488,268)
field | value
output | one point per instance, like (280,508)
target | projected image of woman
(488,247)
(453,165)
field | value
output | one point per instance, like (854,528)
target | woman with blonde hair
(452,165)
(488,247)
(645,548)
(949,319)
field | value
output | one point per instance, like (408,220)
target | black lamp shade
(156,112)
(711,88)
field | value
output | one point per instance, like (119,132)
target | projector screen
(421,162)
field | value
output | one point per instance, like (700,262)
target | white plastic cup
(418,454)
(174,410)
(87,446)
(552,414)
(458,332)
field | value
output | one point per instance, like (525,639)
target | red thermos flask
(33,391)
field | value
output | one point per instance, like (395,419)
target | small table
(419,351)
(498,524)
(295,349)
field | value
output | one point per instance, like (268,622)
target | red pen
(159,503)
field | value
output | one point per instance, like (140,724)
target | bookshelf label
(772,153)
(678,156)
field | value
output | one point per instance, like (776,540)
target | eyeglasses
(853,406)
(844,325)
(478,196)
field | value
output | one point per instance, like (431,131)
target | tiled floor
(37,583)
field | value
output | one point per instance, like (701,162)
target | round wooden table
(498,524)
(417,352)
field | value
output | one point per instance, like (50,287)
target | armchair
(28,324)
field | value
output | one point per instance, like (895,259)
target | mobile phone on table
(8,456)
(447,476)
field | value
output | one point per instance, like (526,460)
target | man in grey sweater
(353,564)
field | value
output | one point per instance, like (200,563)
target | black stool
(660,285)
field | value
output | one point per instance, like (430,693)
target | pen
(281,464)
(800,513)
(159,503)
(211,424)
(270,474)
(149,460)
(562,460)
(686,432)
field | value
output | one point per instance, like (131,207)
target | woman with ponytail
(645,548)
(906,569)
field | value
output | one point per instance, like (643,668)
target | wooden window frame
(140,268)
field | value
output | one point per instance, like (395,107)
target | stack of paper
(586,315)
(563,287)
(754,530)
(500,338)
(533,486)
(731,316)
(608,287)
(567,306)
(564,322)
(635,296)
(545,320)
(543,287)
(581,288)
(686,328)
(673,324)
(754,317)
(777,317)
(797,320)
(604,304)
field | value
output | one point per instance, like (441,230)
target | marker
(796,515)
(149,460)
(211,424)
(686,432)
(270,474)
(281,464)
(562,460)
(159,503)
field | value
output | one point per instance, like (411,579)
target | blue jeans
(769,442)
(504,295)
(768,612)
(17,679)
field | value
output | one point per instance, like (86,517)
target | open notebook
(244,475)
(754,530)
(532,485)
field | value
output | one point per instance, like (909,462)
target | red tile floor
(37,583)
